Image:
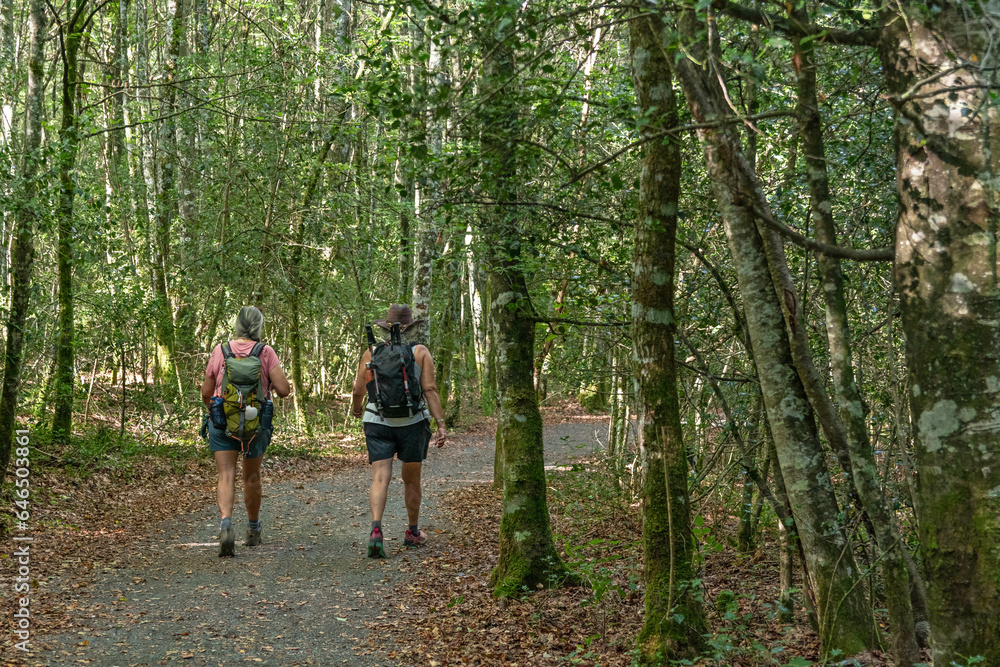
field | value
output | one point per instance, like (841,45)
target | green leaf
(798,662)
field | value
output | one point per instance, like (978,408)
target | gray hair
(250,323)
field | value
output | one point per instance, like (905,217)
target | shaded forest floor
(125,572)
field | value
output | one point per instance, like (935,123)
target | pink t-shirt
(241,348)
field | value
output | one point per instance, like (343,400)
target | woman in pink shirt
(249,329)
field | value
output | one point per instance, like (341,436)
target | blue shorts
(409,443)
(218,441)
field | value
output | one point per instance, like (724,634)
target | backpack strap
(422,403)
(227,353)
(374,397)
(257,350)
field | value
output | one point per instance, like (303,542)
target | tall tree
(528,557)
(71,33)
(674,620)
(850,405)
(25,216)
(946,273)
(427,187)
(833,574)
(167,210)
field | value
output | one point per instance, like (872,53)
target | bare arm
(429,385)
(360,386)
(207,388)
(279,383)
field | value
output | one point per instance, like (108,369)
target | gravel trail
(306,596)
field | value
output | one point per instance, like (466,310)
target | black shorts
(409,443)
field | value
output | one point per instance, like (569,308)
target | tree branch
(729,120)
(580,323)
(789,26)
(875,255)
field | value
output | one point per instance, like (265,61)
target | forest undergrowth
(599,533)
(103,490)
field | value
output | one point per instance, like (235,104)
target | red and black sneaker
(375,548)
(411,539)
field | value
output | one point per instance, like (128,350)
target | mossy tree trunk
(25,216)
(166,210)
(946,275)
(528,556)
(674,620)
(427,189)
(445,348)
(69,139)
(844,620)
(745,539)
(850,405)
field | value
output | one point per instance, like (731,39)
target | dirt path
(303,597)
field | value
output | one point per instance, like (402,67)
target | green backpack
(242,388)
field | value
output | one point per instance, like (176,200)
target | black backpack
(394,387)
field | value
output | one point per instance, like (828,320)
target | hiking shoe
(253,537)
(375,548)
(414,540)
(227,541)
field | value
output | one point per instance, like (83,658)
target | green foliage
(102,448)
(725,602)
(704,541)
(256,109)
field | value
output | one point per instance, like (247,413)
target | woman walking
(238,382)
(405,437)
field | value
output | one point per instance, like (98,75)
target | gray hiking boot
(227,541)
(253,537)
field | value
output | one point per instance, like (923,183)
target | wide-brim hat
(398,314)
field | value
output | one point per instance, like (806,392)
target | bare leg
(252,486)
(226,490)
(411,480)
(381,476)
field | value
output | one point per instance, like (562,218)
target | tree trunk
(849,401)
(25,215)
(428,190)
(745,542)
(674,620)
(298,285)
(445,349)
(844,621)
(479,329)
(405,260)
(786,550)
(527,555)
(186,184)
(137,193)
(69,137)
(166,210)
(946,275)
